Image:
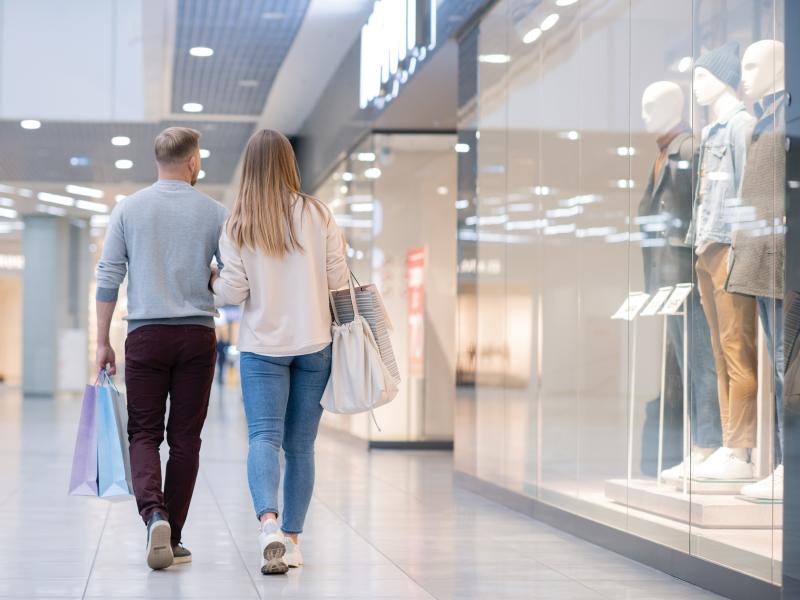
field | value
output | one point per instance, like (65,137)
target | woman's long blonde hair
(262,215)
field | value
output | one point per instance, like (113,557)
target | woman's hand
(213,278)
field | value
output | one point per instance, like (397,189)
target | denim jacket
(723,150)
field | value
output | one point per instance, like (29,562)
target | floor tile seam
(96,551)
(230,532)
(370,543)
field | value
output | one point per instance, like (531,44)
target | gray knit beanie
(723,63)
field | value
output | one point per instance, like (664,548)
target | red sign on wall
(415,268)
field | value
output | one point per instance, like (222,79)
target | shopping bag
(83,480)
(113,475)
(360,380)
(370,305)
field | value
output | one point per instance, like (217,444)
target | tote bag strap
(352,300)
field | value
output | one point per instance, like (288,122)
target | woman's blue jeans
(281,402)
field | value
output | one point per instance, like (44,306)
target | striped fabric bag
(370,306)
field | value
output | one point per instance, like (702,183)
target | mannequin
(731,317)
(668,260)
(757,270)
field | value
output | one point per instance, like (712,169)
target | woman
(282,253)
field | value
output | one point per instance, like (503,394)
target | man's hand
(106,359)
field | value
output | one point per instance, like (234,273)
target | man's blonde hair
(175,144)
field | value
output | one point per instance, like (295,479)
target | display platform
(709,511)
(710,486)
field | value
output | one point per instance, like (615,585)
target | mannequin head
(762,69)
(662,106)
(707,88)
(717,73)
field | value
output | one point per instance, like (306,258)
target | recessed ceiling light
(92,206)
(372,173)
(30,124)
(7,202)
(361,207)
(549,21)
(201,174)
(123,163)
(494,59)
(55,199)
(462,148)
(342,189)
(442,190)
(347,176)
(204,153)
(51,210)
(366,156)
(533,35)
(248,83)
(80,161)
(120,140)
(201,51)
(193,107)
(85,191)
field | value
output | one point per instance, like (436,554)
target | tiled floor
(381,525)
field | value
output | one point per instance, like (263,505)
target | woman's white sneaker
(770,488)
(273,548)
(293,556)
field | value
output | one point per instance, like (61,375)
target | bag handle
(352,300)
(104,378)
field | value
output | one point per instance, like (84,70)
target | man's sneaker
(681,470)
(725,464)
(159,546)
(273,548)
(293,556)
(770,488)
(181,554)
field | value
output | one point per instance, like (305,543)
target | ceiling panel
(44,154)
(250,39)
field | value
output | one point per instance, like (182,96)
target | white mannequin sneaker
(273,548)
(770,488)
(293,556)
(725,464)
(697,458)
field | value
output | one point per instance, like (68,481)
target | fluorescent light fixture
(201,51)
(84,191)
(462,204)
(462,148)
(30,124)
(51,210)
(684,164)
(80,161)
(120,197)
(442,190)
(685,64)
(550,21)
(361,207)
(494,59)
(571,135)
(204,153)
(25,193)
(8,213)
(123,163)
(201,174)
(98,207)
(193,107)
(565,2)
(366,156)
(542,190)
(7,202)
(372,173)
(55,199)
(793,184)
(347,176)
(99,220)
(533,35)
(120,140)
(7,189)
(625,184)
(626,151)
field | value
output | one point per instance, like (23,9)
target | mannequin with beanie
(731,317)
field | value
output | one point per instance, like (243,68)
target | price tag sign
(674,303)
(631,307)
(656,302)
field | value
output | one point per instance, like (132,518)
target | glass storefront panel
(394,198)
(629,228)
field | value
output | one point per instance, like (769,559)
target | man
(164,237)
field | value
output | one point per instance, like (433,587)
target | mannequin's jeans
(281,403)
(771,312)
(706,429)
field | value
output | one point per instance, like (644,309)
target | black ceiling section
(250,39)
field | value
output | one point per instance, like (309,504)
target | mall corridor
(385,524)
